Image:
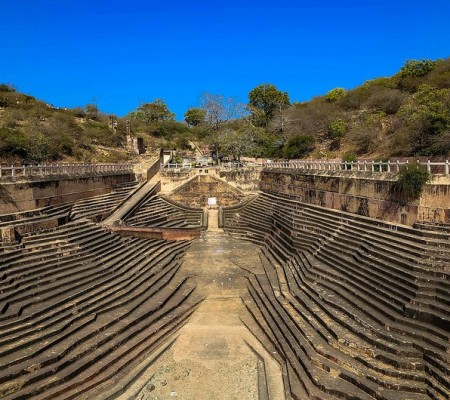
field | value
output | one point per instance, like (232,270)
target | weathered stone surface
(55,190)
(196,191)
(363,193)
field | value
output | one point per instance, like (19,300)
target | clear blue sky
(122,53)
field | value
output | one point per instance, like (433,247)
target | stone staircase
(81,307)
(355,307)
(160,212)
(100,207)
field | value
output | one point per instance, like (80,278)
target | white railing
(176,166)
(240,165)
(371,166)
(62,169)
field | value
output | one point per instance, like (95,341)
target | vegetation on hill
(32,131)
(407,114)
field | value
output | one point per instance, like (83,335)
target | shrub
(299,146)
(363,138)
(417,68)
(335,94)
(349,157)
(412,179)
(355,98)
(385,99)
(413,74)
(337,129)
(6,87)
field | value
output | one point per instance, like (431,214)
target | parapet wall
(28,194)
(363,193)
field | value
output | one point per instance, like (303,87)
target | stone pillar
(8,234)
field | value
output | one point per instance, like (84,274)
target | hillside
(407,114)
(32,131)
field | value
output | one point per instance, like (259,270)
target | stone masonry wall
(196,191)
(54,190)
(362,193)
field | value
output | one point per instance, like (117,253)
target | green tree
(195,116)
(265,101)
(299,146)
(154,112)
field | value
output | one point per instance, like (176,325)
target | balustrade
(434,168)
(62,169)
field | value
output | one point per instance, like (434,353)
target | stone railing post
(12,170)
(429,166)
(446,168)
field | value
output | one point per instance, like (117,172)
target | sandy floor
(211,357)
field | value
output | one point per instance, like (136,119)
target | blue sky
(122,53)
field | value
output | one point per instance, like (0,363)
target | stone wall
(22,195)
(196,191)
(362,193)
(245,179)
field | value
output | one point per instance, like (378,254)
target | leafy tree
(265,101)
(299,146)
(195,116)
(154,112)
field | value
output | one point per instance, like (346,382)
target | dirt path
(211,358)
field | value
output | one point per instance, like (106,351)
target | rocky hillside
(407,114)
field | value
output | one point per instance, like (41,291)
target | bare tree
(220,109)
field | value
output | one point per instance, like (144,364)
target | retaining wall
(363,193)
(28,194)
